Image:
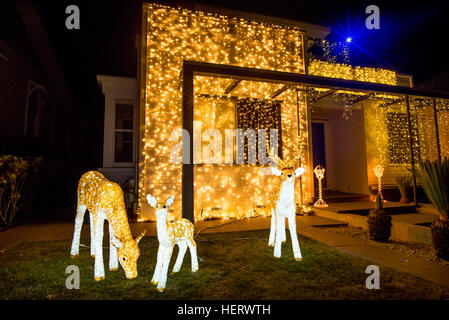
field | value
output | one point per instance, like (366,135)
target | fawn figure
(104,200)
(180,232)
(282,205)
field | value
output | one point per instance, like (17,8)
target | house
(213,69)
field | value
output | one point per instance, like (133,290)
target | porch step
(363,207)
(331,196)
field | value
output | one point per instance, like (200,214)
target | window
(124,131)
(259,114)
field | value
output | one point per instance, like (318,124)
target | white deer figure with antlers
(180,232)
(282,205)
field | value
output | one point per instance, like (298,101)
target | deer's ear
(169,201)
(299,171)
(276,171)
(116,242)
(151,200)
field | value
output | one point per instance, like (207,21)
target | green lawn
(237,265)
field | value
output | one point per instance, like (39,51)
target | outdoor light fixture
(379,172)
(348,39)
(319,172)
(104,200)
(180,232)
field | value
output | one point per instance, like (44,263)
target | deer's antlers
(281,163)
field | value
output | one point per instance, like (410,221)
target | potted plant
(379,223)
(404,182)
(434,179)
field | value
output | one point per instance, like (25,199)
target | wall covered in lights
(174,35)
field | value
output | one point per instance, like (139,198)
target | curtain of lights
(234,191)
(174,35)
(443,125)
(423,129)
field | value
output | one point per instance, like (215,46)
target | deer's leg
(278,239)
(182,251)
(92,235)
(193,256)
(163,274)
(99,266)
(160,253)
(272,229)
(294,235)
(80,210)
(282,230)
(113,260)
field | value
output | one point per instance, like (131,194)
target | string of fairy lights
(238,191)
(442,107)
(348,72)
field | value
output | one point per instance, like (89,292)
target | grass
(237,265)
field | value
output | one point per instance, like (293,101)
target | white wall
(117,88)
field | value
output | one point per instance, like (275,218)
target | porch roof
(235,72)
(192,68)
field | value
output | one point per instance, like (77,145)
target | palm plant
(434,178)
(403,182)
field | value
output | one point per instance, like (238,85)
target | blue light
(348,39)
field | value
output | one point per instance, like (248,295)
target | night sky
(412,39)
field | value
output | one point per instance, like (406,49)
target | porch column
(187,124)
(437,133)
(412,157)
(310,145)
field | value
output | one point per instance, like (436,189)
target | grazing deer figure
(104,200)
(180,232)
(282,205)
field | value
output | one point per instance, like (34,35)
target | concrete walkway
(64,230)
(309,226)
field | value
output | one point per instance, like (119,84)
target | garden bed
(419,250)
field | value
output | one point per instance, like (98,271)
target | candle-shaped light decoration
(319,172)
(379,172)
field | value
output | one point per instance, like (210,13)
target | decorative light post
(379,172)
(319,172)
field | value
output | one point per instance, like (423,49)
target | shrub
(379,223)
(434,178)
(13,174)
